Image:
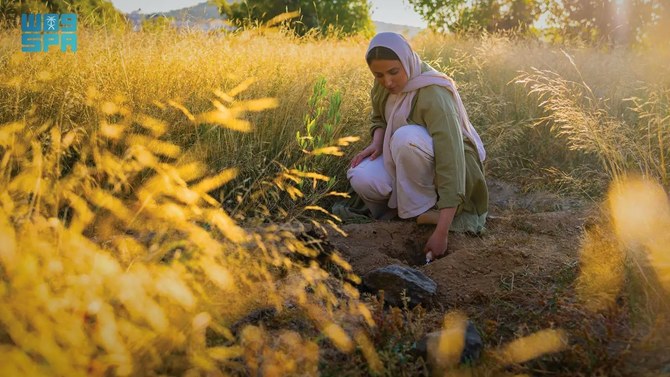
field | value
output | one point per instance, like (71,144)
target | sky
(391,11)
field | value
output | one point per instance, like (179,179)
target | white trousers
(412,151)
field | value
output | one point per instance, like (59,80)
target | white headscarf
(398,106)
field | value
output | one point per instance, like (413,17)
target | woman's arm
(437,243)
(436,110)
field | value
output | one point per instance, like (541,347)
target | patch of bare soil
(527,238)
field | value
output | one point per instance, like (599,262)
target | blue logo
(42,31)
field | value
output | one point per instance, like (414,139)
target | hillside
(202,11)
(206,11)
(406,30)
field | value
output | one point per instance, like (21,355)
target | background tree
(655,31)
(612,21)
(594,21)
(478,15)
(347,16)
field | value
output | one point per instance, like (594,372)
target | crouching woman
(425,159)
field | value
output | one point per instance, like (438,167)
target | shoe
(389,215)
(348,214)
(429,217)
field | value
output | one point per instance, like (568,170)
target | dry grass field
(147,184)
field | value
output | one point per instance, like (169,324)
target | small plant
(299,178)
(322,118)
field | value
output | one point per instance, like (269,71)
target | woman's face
(390,74)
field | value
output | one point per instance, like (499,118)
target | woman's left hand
(437,244)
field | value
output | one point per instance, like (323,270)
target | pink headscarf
(399,106)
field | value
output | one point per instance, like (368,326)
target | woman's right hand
(373,151)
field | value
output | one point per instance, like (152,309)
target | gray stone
(395,279)
(471,350)
(254,318)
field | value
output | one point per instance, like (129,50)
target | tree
(622,22)
(612,21)
(478,15)
(347,16)
(656,30)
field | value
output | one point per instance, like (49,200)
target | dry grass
(583,115)
(137,268)
(135,159)
(161,74)
(608,108)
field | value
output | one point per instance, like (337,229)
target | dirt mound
(529,237)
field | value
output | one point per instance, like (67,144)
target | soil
(516,279)
(528,237)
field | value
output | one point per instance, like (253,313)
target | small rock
(254,318)
(395,279)
(471,350)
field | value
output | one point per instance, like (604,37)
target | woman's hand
(373,151)
(437,244)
